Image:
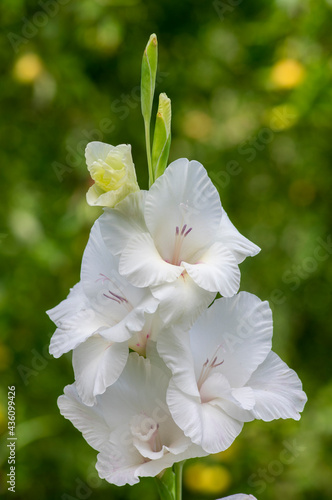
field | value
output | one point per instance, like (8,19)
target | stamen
(207,367)
(103,278)
(179,237)
(112,298)
(122,299)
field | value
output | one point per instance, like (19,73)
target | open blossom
(102,318)
(177,239)
(225,374)
(113,170)
(130,424)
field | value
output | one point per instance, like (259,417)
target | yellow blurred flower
(28,68)
(287,73)
(113,170)
(197,125)
(207,479)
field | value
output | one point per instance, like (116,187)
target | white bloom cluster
(159,375)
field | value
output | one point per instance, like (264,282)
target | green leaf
(148,76)
(162,136)
(166,485)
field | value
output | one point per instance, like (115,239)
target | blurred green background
(250,84)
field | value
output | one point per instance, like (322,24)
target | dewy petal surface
(185,198)
(277,390)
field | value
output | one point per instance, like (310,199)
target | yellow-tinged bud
(113,170)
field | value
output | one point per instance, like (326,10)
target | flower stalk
(148,83)
(178,468)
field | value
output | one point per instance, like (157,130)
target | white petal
(183,195)
(186,411)
(231,238)
(121,305)
(86,419)
(123,222)
(174,347)
(117,463)
(245,397)
(97,365)
(141,388)
(205,424)
(99,276)
(235,402)
(238,330)
(219,429)
(216,271)
(182,301)
(97,151)
(155,359)
(277,390)
(76,321)
(142,265)
(154,467)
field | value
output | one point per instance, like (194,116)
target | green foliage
(166,485)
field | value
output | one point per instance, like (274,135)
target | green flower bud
(162,136)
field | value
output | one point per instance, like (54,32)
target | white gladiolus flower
(225,374)
(130,424)
(113,170)
(177,239)
(100,319)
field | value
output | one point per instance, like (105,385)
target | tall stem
(148,151)
(178,480)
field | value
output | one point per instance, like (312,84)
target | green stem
(148,151)
(178,480)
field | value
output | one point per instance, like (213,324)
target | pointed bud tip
(163,98)
(153,39)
